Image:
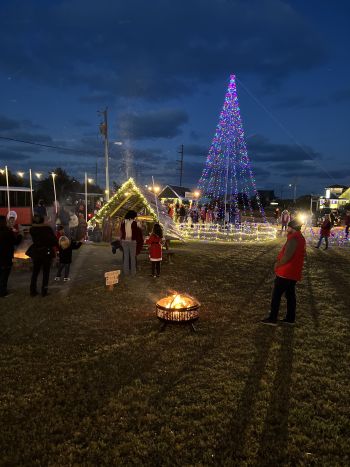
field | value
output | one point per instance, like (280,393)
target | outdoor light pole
(53,175)
(104,132)
(31,190)
(294,186)
(155,197)
(86,198)
(8,189)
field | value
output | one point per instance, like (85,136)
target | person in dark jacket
(65,250)
(8,241)
(325,231)
(40,209)
(41,252)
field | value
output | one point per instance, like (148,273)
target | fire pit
(21,261)
(177,309)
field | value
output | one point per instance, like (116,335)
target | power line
(43,145)
(287,132)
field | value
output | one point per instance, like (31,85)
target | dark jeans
(155,268)
(60,268)
(287,287)
(4,275)
(39,263)
(320,241)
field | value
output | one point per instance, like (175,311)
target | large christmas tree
(227,179)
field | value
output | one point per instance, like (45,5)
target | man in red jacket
(288,270)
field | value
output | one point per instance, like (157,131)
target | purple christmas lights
(227,175)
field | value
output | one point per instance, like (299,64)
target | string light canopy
(227,179)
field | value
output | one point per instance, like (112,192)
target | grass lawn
(87,379)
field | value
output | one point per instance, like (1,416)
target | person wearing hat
(288,269)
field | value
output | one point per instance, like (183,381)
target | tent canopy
(148,207)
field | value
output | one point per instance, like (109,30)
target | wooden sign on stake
(112,277)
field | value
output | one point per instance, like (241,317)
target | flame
(20,255)
(177,301)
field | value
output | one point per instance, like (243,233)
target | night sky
(162,67)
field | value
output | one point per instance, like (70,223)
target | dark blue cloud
(196,150)
(163,123)
(125,49)
(261,149)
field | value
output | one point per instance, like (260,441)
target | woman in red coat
(155,249)
(325,231)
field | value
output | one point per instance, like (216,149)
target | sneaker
(269,322)
(284,321)
(57,278)
(66,279)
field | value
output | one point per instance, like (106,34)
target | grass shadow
(312,301)
(274,437)
(236,434)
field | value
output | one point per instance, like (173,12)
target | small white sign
(112,277)
(189,195)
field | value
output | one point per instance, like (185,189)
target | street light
(53,175)
(294,186)
(8,190)
(87,180)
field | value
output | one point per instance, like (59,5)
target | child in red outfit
(155,249)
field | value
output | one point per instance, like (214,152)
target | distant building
(335,197)
(173,193)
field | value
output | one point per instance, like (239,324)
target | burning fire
(176,301)
(20,255)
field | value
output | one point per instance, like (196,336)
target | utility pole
(104,133)
(181,152)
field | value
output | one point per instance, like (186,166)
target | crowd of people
(53,236)
(49,246)
(52,247)
(204,214)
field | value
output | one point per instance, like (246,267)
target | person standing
(64,220)
(65,251)
(182,214)
(8,241)
(129,235)
(73,225)
(285,218)
(155,249)
(82,228)
(277,215)
(347,224)
(40,209)
(288,270)
(325,231)
(41,252)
